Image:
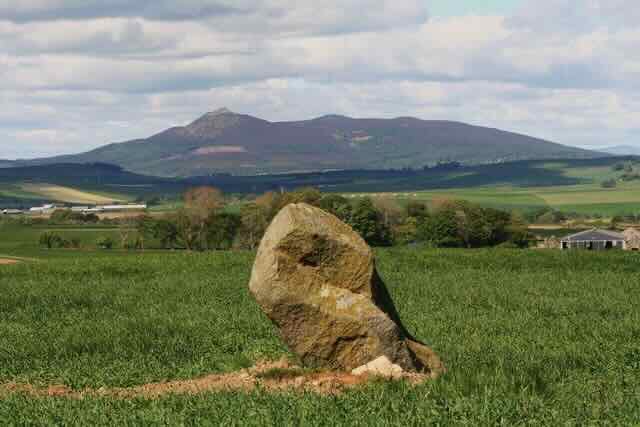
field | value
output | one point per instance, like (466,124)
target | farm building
(43,209)
(632,239)
(122,208)
(594,240)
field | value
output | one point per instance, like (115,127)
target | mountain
(622,150)
(226,142)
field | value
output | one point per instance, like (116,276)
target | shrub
(60,216)
(90,217)
(104,242)
(51,240)
(609,183)
(65,216)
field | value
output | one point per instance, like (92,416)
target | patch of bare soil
(8,261)
(278,376)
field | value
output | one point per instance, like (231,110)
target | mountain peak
(213,123)
(219,112)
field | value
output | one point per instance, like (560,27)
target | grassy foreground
(529,338)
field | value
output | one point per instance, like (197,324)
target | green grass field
(21,240)
(588,199)
(529,338)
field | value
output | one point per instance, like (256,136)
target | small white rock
(381,366)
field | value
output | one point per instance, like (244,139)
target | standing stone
(315,278)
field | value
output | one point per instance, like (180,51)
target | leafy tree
(190,232)
(255,217)
(254,224)
(166,231)
(271,203)
(191,222)
(199,202)
(337,205)
(407,232)
(498,223)
(518,231)
(145,226)
(309,195)
(441,228)
(417,210)
(222,230)
(368,222)
(124,231)
(391,213)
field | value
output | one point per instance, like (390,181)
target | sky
(77,74)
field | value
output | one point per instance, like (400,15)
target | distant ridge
(622,150)
(226,142)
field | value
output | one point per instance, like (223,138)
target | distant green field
(529,338)
(573,186)
(566,185)
(18,240)
(583,199)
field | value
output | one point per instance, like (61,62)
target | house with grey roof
(594,240)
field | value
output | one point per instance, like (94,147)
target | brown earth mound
(278,376)
(7,261)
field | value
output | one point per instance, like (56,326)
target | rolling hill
(568,185)
(622,150)
(226,142)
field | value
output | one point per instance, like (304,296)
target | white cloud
(76,74)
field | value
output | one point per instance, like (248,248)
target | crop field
(67,194)
(529,338)
(584,199)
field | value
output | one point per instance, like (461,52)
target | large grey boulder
(315,278)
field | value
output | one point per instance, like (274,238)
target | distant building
(109,208)
(43,209)
(594,240)
(631,239)
(11,212)
(122,208)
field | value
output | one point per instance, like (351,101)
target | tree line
(205,222)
